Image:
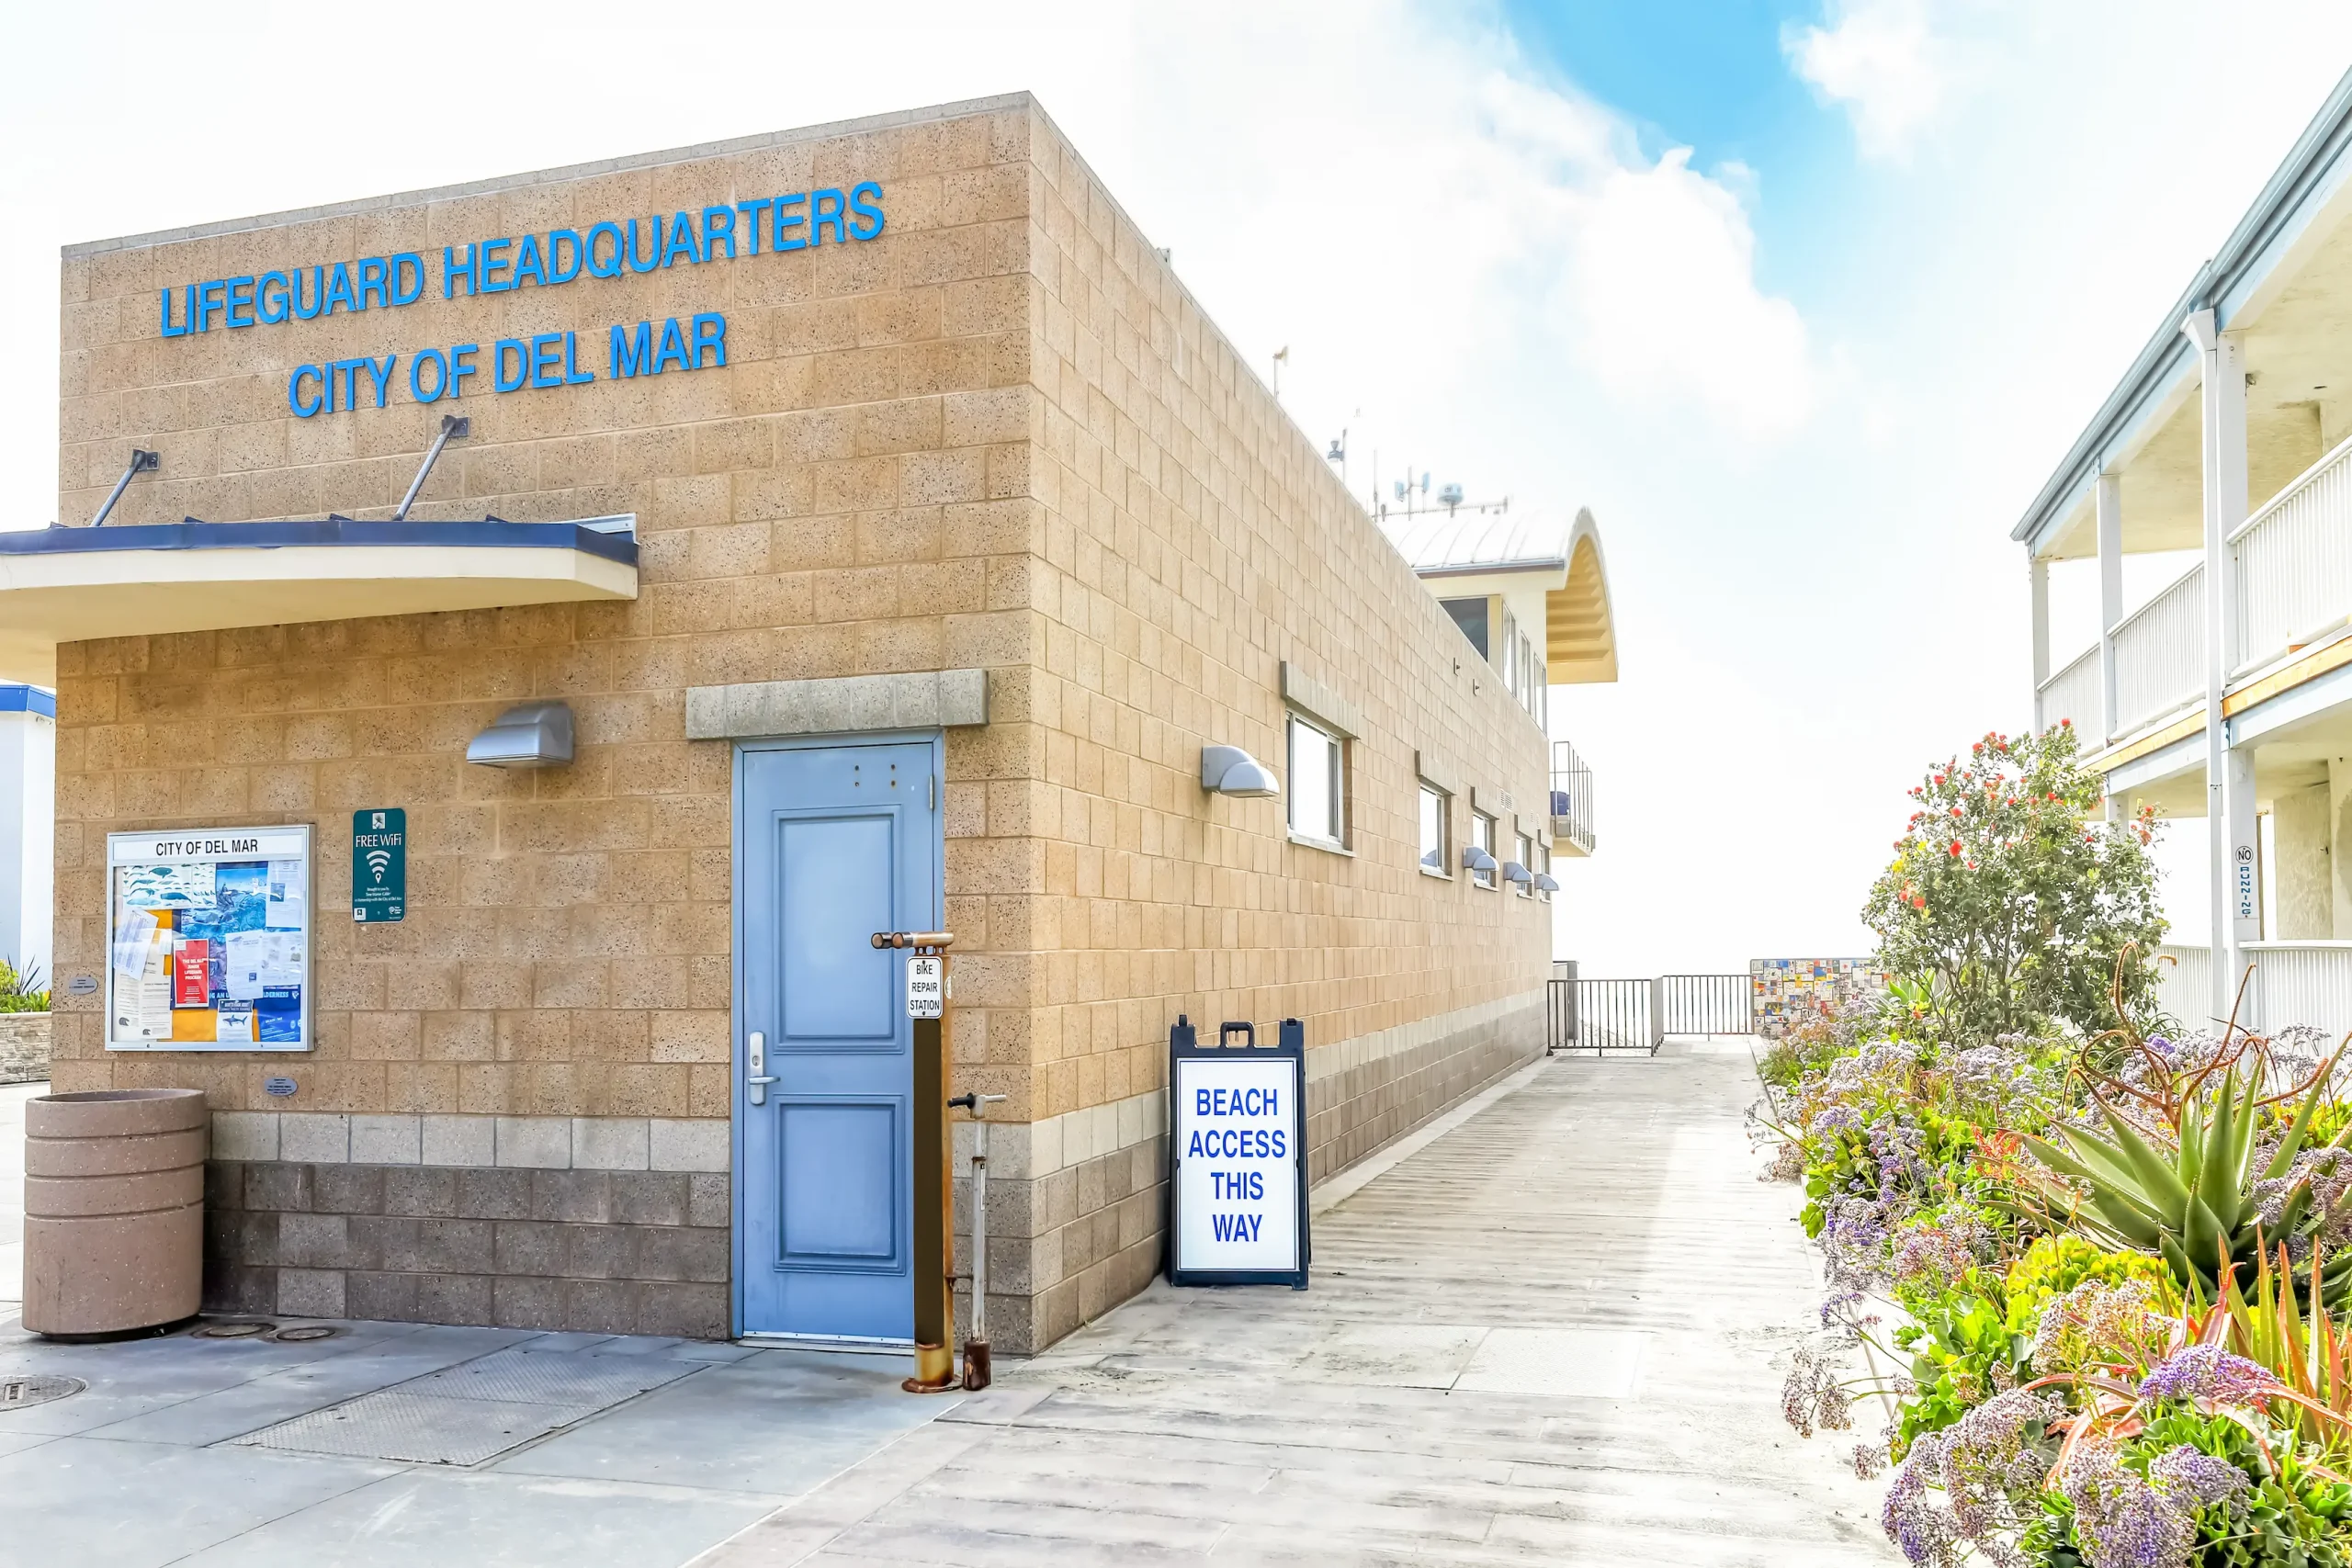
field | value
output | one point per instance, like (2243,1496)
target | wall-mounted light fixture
(1547,883)
(1228,770)
(1514,871)
(1476,859)
(537,735)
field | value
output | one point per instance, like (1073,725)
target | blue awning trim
(483,533)
(16,698)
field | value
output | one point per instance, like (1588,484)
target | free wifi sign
(379,865)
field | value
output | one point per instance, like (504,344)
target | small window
(1544,852)
(1470,614)
(1433,831)
(1526,857)
(1316,792)
(1482,834)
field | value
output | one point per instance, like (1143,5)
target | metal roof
(1441,543)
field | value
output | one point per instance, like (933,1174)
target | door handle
(758,1079)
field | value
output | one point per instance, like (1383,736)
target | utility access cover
(474,1411)
(20,1393)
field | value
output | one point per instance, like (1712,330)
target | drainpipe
(975,1344)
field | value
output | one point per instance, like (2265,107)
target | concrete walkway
(1555,1335)
(1548,1330)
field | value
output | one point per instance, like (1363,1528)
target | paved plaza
(1547,1329)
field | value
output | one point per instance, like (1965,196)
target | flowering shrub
(2091,1278)
(2009,902)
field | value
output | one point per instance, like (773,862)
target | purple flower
(1926,1533)
(2122,1520)
(1836,1118)
(2208,1372)
(2187,1472)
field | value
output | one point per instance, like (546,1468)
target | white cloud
(1664,290)
(1474,212)
(1882,60)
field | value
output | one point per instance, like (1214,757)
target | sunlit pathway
(1553,1335)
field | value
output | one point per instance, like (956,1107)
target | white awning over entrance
(62,585)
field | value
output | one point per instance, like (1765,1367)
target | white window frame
(1429,792)
(1295,722)
(1482,833)
(1526,857)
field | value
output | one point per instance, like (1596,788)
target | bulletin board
(208,942)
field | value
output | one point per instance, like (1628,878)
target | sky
(1803,301)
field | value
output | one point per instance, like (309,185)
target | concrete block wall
(999,438)
(1192,543)
(23,1047)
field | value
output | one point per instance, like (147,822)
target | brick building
(878,464)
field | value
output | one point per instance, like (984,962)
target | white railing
(2301,982)
(2295,562)
(2160,653)
(2294,983)
(2074,694)
(2183,986)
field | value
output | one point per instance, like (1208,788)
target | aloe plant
(2194,1204)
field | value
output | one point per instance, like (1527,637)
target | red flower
(1955,849)
(2065,724)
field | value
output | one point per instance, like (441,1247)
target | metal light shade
(1514,871)
(1228,770)
(1476,859)
(1547,883)
(538,735)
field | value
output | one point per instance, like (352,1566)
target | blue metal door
(832,845)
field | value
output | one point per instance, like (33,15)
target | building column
(2110,594)
(2037,572)
(2234,856)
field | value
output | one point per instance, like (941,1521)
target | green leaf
(2292,1143)
(2165,1191)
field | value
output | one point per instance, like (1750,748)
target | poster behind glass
(209,940)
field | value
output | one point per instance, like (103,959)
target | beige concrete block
(679,1144)
(539,1143)
(387,1140)
(610,1142)
(458,1140)
(313,1138)
(245,1134)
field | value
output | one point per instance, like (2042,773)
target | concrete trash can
(114,1210)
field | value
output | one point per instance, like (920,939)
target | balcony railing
(1572,816)
(2072,695)
(2295,562)
(2291,563)
(2294,983)
(2160,653)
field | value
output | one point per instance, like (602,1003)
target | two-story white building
(2226,692)
(1531,592)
